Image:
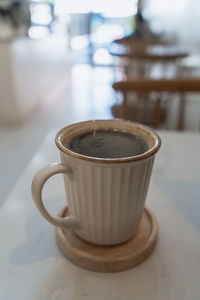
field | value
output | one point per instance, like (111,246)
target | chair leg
(157,113)
(123,106)
(180,125)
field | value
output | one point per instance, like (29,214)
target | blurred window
(110,8)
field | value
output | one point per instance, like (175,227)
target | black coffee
(107,144)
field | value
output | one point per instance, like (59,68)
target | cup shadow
(40,241)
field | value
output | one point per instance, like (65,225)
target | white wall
(176,18)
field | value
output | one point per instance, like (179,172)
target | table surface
(32,266)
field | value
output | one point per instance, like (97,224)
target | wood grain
(190,85)
(110,258)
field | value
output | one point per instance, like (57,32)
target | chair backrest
(160,85)
(138,43)
(142,86)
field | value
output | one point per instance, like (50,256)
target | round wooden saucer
(110,258)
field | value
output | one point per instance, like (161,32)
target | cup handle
(38,182)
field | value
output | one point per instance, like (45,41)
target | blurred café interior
(68,61)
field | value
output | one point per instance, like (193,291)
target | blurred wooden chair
(143,88)
(141,58)
(140,43)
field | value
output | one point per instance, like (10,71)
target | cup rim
(150,132)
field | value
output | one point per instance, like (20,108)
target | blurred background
(67,61)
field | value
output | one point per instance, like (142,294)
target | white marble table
(32,267)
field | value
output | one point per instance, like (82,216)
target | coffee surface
(107,144)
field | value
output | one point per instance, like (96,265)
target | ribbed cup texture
(107,199)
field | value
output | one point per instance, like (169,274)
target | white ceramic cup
(105,196)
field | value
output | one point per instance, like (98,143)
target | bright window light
(111,8)
(101,56)
(40,14)
(79,42)
(38,32)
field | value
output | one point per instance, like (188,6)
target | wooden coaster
(110,258)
